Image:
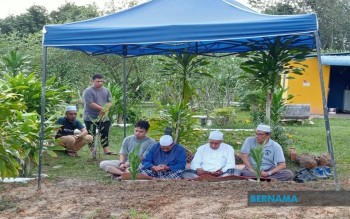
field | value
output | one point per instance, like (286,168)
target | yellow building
(306,88)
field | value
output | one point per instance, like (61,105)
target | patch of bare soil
(76,198)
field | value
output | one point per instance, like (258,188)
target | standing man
(97,101)
(165,160)
(72,133)
(273,162)
(214,158)
(118,167)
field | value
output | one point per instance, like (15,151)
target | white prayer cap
(71,108)
(264,128)
(165,140)
(216,136)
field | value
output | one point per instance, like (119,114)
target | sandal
(319,173)
(327,171)
(305,175)
(110,153)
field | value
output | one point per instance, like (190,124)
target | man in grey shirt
(273,161)
(97,101)
(118,167)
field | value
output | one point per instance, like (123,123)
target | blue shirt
(175,159)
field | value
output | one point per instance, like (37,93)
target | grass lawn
(307,138)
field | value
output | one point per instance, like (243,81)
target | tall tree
(333,17)
(70,12)
(30,22)
(266,67)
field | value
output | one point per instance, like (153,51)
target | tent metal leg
(42,116)
(124,90)
(325,110)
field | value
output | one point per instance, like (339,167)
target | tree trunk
(228,98)
(268,107)
(26,168)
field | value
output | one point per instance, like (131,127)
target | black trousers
(103,128)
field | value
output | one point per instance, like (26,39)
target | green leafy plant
(179,118)
(223,117)
(134,161)
(20,121)
(278,105)
(181,70)
(257,155)
(265,68)
(29,87)
(116,109)
(15,63)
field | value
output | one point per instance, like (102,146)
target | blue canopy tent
(159,27)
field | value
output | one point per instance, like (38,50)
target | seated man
(72,133)
(118,167)
(214,158)
(165,160)
(273,163)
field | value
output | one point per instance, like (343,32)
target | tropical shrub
(10,110)
(20,121)
(278,105)
(14,63)
(180,71)
(265,68)
(223,117)
(178,118)
(29,87)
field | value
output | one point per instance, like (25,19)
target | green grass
(307,138)
(312,139)
(84,166)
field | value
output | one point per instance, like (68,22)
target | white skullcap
(71,108)
(216,135)
(165,140)
(264,128)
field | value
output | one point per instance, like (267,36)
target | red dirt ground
(76,198)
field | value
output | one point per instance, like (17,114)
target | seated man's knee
(88,138)
(104,165)
(247,172)
(67,141)
(289,175)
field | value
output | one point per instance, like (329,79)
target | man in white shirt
(214,158)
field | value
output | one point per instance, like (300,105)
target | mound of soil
(77,198)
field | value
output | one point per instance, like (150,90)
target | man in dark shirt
(166,160)
(72,133)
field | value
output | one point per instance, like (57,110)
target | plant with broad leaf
(134,161)
(20,108)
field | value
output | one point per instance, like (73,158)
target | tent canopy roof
(167,26)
